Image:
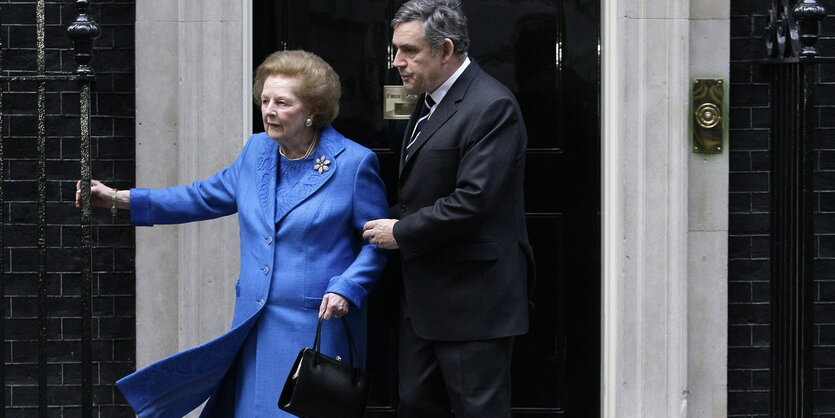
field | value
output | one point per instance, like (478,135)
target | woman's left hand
(333,306)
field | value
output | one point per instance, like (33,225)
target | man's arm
(484,172)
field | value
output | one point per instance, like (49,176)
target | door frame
(668,248)
(665,212)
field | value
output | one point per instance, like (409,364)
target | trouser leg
(477,376)
(421,386)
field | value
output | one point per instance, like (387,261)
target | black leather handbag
(319,386)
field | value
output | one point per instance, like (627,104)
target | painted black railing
(82,32)
(791,35)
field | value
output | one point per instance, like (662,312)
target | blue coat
(286,267)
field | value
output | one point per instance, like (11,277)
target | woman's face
(282,112)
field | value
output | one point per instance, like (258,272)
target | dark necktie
(424,116)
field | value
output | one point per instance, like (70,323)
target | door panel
(546,52)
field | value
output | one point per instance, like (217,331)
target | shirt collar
(441,91)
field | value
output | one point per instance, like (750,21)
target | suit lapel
(410,127)
(329,147)
(446,108)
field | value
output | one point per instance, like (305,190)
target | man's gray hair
(441,19)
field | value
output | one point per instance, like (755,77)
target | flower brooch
(322,164)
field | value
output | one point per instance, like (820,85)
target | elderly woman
(302,193)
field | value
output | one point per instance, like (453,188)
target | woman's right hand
(102,195)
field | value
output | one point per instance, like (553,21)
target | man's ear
(447,50)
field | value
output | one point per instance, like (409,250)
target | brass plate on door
(397,102)
(708,115)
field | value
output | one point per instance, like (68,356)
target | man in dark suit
(459,223)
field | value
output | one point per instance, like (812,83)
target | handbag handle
(316,341)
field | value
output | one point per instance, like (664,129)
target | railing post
(82,32)
(2,248)
(790,39)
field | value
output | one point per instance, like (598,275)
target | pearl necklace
(306,154)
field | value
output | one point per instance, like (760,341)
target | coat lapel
(330,146)
(265,173)
(446,108)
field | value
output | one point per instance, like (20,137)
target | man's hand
(379,233)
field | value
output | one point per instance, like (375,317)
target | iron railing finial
(82,32)
(809,14)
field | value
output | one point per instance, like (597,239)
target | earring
(308,122)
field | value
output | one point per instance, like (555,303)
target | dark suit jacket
(464,245)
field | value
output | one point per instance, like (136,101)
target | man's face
(420,70)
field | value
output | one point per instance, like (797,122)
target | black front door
(547,53)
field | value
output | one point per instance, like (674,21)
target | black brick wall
(824,182)
(748,242)
(113,239)
(749,291)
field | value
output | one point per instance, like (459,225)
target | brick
(826,334)
(748,313)
(740,73)
(824,223)
(761,291)
(748,404)
(743,49)
(117,147)
(826,47)
(825,291)
(103,307)
(117,284)
(760,203)
(739,118)
(826,72)
(740,161)
(741,26)
(760,247)
(824,312)
(23,395)
(739,336)
(124,351)
(749,224)
(826,377)
(826,246)
(749,95)
(749,357)
(741,203)
(760,336)
(117,411)
(760,117)
(746,270)
(117,327)
(749,182)
(826,117)
(116,370)
(739,247)
(748,139)
(760,379)
(739,380)
(747,7)
(823,356)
